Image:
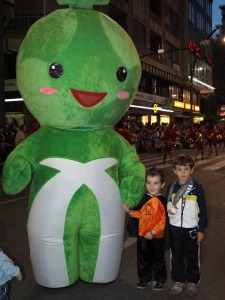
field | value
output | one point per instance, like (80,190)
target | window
(186,96)
(155,41)
(155,6)
(175,24)
(173,53)
(176,93)
(142,84)
(139,5)
(139,37)
(171,21)
(10,65)
(164,119)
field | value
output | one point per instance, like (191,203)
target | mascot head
(77,68)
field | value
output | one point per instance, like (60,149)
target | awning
(181,116)
(195,114)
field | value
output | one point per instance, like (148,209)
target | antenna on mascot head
(88,4)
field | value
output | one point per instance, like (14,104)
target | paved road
(210,173)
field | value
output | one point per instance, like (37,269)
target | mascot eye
(121,74)
(55,70)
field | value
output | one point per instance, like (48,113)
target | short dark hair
(183,160)
(154,171)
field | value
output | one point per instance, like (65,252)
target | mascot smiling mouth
(88,99)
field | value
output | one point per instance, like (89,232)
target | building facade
(173,79)
(219,72)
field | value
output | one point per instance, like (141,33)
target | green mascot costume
(78,72)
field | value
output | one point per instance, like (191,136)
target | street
(209,172)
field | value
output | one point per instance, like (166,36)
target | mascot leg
(46,226)
(112,233)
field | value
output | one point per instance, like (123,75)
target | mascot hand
(131,190)
(16,174)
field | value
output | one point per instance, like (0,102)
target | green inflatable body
(78,72)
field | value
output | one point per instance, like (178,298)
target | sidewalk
(124,287)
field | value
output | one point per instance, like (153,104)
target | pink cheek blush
(122,95)
(48,91)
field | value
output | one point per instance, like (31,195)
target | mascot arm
(17,170)
(132,177)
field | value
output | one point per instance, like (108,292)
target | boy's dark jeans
(150,259)
(185,255)
(4,292)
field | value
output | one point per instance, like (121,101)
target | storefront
(151,109)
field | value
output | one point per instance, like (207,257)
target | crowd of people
(148,138)
(13,134)
(11,137)
(163,138)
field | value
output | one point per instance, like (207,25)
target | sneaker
(142,284)
(177,288)
(157,286)
(192,289)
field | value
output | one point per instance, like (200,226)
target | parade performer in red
(221,137)
(120,128)
(198,138)
(169,138)
(211,138)
(35,125)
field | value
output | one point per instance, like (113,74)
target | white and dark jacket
(194,213)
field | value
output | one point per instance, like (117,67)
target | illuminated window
(164,119)
(153,119)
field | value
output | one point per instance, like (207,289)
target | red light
(191,46)
(210,61)
(194,48)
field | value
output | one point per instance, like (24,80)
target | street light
(161,51)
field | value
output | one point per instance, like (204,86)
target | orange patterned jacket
(151,216)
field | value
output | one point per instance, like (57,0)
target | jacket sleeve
(7,266)
(203,219)
(136,214)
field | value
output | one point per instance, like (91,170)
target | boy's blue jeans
(4,292)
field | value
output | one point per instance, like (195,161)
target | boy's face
(183,173)
(154,185)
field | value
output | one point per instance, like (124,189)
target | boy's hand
(19,277)
(173,210)
(127,208)
(149,236)
(200,237)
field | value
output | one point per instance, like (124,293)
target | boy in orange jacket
(151,213)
